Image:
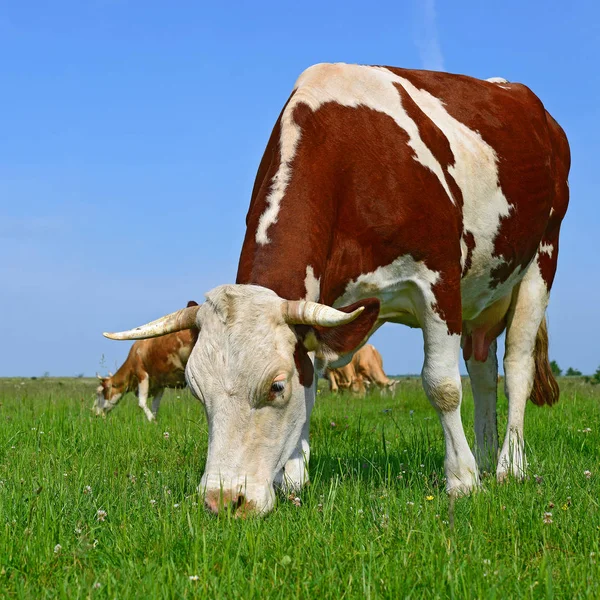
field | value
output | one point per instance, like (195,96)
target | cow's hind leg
(156,402)
(484,382)
(526,367)
(441,380)
(143,389)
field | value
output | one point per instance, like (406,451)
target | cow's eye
(277,387)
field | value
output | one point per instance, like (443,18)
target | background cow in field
(151,366)
(343,379)
(428,199)
(364,372)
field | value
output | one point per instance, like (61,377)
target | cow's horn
(182,319)
(99,376)
(304,312)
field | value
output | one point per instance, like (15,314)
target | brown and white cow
(428,199)
(151,366)
(365,370)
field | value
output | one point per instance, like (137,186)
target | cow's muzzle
(240,498)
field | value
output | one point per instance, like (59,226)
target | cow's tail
(545,388)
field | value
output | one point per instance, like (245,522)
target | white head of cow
(108,394)
(250,368)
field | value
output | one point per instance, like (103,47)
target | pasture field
(93,508)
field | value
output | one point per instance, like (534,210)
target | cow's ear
(192,303)
(329,343)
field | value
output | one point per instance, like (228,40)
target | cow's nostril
(216,500)
(244,508)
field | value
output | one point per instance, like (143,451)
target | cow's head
(108,394)
(251,369)
(359,386)
(389,389)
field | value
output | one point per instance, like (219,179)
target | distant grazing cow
(363,372)
(151,366)
(344,379)
(414,197)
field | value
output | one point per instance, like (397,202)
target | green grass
(374,523)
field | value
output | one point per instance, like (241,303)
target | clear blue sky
(130,134)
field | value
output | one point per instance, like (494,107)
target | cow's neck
(290,264)
(123,379)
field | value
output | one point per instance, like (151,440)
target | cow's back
(376,177)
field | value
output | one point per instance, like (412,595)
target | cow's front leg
(441,380)
(143,389)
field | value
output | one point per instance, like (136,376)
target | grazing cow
(414,197)
(151,366)
(365,370)
(344,379)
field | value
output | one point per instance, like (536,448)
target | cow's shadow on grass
(394,469)
(383,456)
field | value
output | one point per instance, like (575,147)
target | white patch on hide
(464,252)
(288,140)
(402,287)
(312,285)
(498,81)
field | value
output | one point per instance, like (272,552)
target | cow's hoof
(504,473)
(464,485)
(512,464)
